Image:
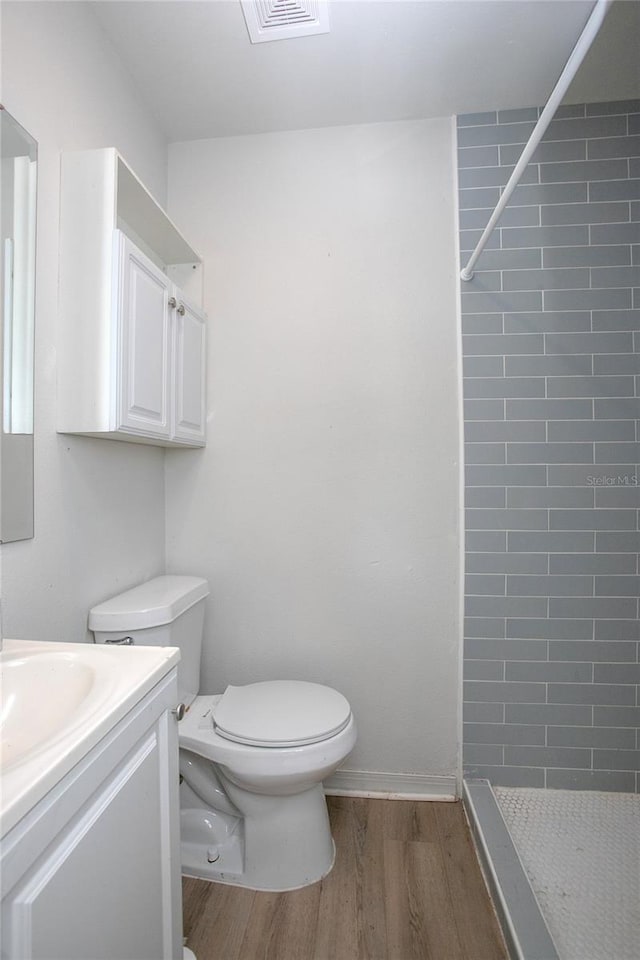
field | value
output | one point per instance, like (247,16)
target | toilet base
(228,869)
(198,860)
(281,843)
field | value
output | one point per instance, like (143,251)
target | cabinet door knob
(173,303)
(181,310)
(179,711)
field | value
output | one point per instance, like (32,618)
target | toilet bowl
(252,759)
(275,833)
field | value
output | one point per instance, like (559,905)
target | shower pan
(564,868)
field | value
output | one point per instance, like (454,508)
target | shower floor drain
(581,852)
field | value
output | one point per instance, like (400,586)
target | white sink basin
(42,694)
(57,701)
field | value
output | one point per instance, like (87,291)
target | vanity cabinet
(131,331)
(92,872)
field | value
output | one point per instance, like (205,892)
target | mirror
(18,156)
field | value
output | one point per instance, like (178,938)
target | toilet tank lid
(151,604)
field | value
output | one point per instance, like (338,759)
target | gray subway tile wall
(551,367)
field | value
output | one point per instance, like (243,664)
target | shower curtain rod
(578,54)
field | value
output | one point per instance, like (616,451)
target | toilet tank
(164,612)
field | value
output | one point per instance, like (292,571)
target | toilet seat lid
(280,713)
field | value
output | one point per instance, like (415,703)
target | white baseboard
(390,786)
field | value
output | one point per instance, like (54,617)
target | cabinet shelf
(140,216)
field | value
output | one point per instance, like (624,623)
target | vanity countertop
(58,701)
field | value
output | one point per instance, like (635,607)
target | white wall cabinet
(93,871)
(131,333)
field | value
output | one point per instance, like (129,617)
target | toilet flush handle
(125,641)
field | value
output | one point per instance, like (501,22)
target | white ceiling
(382,60)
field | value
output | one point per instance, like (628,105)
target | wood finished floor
(406,885)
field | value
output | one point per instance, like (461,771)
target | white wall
(99,505)
(324,510)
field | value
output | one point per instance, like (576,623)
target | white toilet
(252,760)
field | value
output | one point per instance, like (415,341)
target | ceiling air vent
(281,19)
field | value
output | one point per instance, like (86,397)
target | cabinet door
(144,357)
(97,892)
(189,376)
